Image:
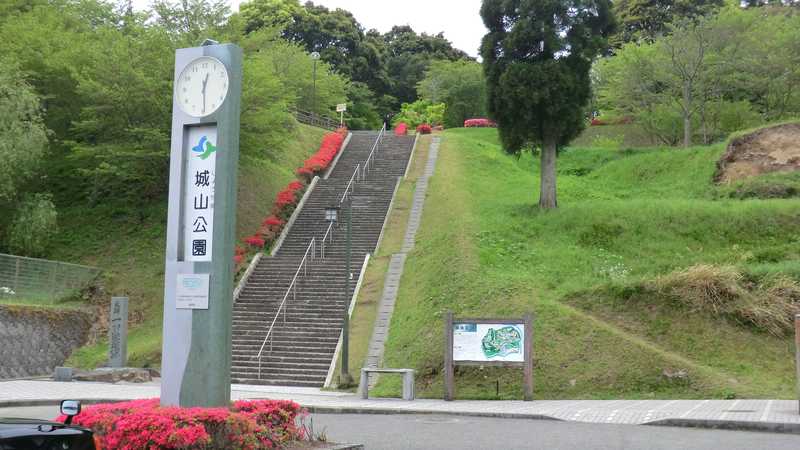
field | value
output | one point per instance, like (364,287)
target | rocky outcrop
(770,149)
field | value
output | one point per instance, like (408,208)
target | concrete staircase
(303,346)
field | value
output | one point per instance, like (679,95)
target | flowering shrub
(255,241)
(286,200)
(479,123)
(318,162)
(400,129)
(424,129)
(144,424)
(598,122)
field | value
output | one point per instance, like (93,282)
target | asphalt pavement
(435,432)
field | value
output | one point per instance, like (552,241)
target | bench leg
(408,386)
(363,384)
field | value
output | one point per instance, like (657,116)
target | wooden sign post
(488,342)
(797,354)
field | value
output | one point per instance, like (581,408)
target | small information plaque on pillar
(201,223)
(488,342)
(118,333)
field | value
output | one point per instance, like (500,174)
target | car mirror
(70,408)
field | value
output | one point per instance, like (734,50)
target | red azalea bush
(286,200)
(400,129)
(424,129)
(255,241)
(598,122)
(479,123)
(318,162)
(144,424)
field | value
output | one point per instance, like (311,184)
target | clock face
(202,86)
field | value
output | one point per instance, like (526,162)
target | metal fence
(32,279)
(315,120)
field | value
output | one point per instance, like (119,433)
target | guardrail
(309,256)
(328,232)
(370,162)
(42,280)
(315,120)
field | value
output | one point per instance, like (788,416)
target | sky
(459,19)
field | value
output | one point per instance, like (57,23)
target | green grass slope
(131,251)
(625,218)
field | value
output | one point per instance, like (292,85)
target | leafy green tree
(410,54)
(537,57)
(24,135)
(35,223)
(708,77)
(420,112)
(648,19)
(191,20)
(460,85)
(335,34)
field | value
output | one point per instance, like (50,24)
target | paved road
(435,432)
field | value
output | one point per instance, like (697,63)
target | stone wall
(33,341)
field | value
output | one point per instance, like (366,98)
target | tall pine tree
(536,57)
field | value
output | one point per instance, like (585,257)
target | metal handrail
(371,158)
(312,248)
(325,238)
(350,184)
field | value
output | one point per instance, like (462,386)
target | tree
(191,20)
(410,54)
(648,19)
(708,77)
(536,57)
(24,136)
(460,85)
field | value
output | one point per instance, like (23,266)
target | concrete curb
(388,215)
(411,157)
(390,411)
(295,213)
(732,425)
(243,281)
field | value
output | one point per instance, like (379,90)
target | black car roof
(16,421)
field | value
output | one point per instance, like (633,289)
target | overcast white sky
(459,19)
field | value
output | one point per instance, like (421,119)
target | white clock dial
(202,86)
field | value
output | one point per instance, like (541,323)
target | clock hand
(205,82)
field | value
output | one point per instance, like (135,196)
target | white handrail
(371,158)
(311,248)
(350,183)
(325,238)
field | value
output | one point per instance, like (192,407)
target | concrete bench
(408,381)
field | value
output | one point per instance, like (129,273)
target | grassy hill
(130,249)
(617,276)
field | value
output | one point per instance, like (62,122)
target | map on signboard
(488,342)
(502,342)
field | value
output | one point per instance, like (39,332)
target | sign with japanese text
(198,199)
(192,291)
(341,107)
(118,332)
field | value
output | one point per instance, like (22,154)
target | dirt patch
(773,149)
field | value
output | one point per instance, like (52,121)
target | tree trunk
(547,187)
(687,116)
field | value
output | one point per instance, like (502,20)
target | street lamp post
(314,57)
(345,379)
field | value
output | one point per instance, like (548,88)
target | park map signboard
(488,342)
(198,276)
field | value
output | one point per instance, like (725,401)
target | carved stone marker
(118,332)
